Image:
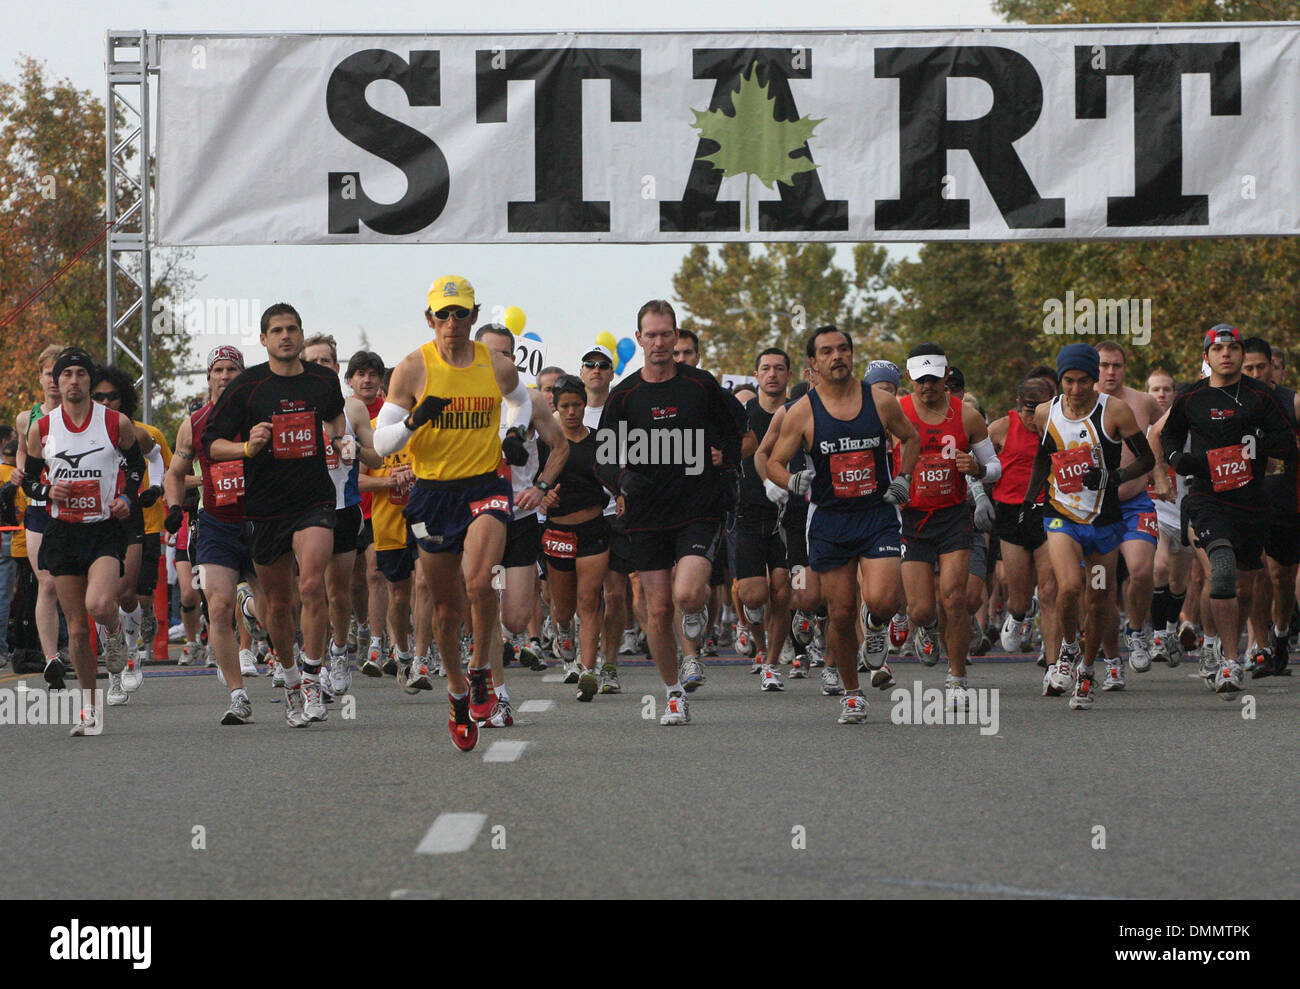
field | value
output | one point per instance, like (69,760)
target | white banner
(1005,134)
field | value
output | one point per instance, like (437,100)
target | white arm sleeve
(391,433)
(155,463)
(519,407)
(984,453)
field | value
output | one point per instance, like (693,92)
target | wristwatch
(542,486)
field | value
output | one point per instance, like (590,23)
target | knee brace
(1223,571)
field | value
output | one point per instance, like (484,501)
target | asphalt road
(762,795)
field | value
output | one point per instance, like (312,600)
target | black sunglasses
(105,396)
(597,365)
(459,312)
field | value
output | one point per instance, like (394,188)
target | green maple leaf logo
(752,142)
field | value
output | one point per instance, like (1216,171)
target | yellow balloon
(514,319)
(607,341)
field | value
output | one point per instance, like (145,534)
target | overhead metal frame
(128,185)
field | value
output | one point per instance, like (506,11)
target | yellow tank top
(463,441)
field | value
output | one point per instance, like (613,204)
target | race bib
(331,456)
(1068,467)
(1229,468)
(293,435)
(1148,524)
(559,544)
(853,474)
(935,477)
(83,502)
(494,503)
(227,478)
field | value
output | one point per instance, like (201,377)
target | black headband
(73,357)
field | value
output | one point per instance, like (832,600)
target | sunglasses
(105,396)
(569,383)
(597,365)
(459,312)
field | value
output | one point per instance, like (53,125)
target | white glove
(346,448)
(799,482)
(985,514)
(776,494)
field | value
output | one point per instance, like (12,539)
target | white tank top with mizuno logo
(87,458)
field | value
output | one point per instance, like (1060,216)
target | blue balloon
(626,348)
(532,336)
(621,364)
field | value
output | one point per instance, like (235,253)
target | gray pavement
(763,795)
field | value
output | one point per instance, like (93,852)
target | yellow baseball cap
(450,290)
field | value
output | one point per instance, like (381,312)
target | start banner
(1085,132)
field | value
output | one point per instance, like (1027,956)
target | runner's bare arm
(182,464)
(143,437)
(768,443)
(1042,459)
(891,415)
(796,428)
(360,419)
(548,429)
(21,425)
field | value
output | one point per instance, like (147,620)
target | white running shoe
(853,710)
(313,705)
(247,663)
(692,673)
(900,628)
(277,672)
(373,664)
(745,644)
(1159,647)
(115,651)
(565,646)
(88,723)
(189,653)
(572,671)
(927,644)
(1173,650)
(882,678)
(788,652)
(771,679)
(875,645)
(1114,675)
(133,675)
(678,712)
(831,685)
(956,693)
(816,655)
(1228,678)
(1081,699)
(1060,677)
(116,695)
(628,646)
(798,669)
(609,682)
(756,667)
(1011,634)
(801,627)
(293,708)
(240,711)
(1139,656)
(340,673)
(693,625)
(244,597)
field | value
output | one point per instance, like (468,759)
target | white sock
(291,676)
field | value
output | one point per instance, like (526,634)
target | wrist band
(247,455)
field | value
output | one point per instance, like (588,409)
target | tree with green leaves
(52,206)
(742,298)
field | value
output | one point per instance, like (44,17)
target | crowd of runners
(445,521)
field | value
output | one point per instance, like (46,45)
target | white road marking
(535,707)
(504,751)
(985,889)
(451,833)
(552,678)
(414,894)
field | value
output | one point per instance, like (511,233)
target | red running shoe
(482,698)
(464,732)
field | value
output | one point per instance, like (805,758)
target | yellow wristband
(247,455)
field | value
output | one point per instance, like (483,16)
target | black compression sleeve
(134,470)
(32,484)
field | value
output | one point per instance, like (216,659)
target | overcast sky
(570,293)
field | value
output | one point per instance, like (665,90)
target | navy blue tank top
(851,458)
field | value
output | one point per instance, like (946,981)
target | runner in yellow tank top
(444,402)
